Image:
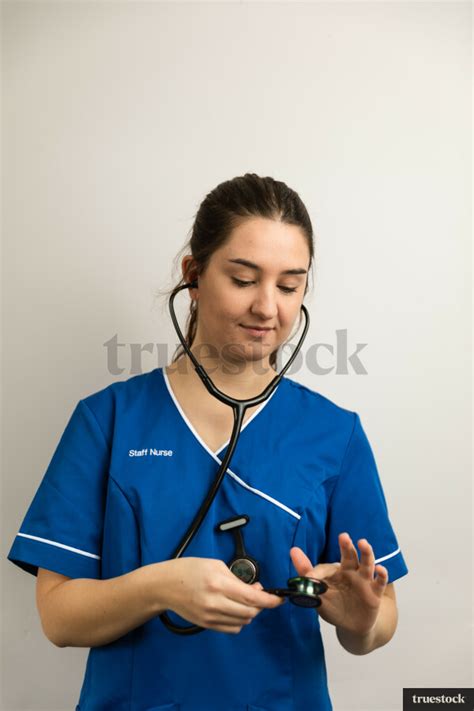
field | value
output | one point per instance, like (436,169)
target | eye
(284,289)
(241,283)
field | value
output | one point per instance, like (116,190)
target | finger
(227,629)
(235,609)
(367,559)
(234,613)
(251,597)
(349,557)
(381,580)
(267,600)
(301,561)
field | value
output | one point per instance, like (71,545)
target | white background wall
(117,119)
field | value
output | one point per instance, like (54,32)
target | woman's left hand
(352,600)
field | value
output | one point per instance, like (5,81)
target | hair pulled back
(226,207)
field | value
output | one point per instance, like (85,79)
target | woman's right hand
(206,593)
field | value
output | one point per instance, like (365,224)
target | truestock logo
(319,358)
(417,699)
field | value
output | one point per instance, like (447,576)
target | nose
(264,305)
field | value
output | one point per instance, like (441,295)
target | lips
(257,331)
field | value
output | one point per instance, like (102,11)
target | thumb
(301,561)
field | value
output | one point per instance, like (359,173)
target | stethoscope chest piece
(245,568)
(242,565)
(302,591)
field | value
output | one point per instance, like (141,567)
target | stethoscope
(301,591)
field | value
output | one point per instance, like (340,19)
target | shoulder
(321,429)
(311,404)
(119,397)
(122,389)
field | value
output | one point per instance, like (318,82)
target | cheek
(231,309)
(226,317)
(289,313)
(289,318)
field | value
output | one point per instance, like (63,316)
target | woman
(137,458)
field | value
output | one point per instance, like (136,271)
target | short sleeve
(357,506)
(62,529)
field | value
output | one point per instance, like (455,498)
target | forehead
(267,242)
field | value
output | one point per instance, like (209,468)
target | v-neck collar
(197,436)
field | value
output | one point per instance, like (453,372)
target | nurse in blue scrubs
(137,458)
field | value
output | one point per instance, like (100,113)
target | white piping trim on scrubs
(385,557)
(264,496)
(390,555)
(214,454)
(198,437)
(59,545)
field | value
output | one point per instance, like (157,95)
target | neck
(237,379)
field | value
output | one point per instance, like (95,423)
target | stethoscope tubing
(239,408)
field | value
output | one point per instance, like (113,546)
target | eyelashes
(242,284)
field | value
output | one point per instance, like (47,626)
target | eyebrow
(246,263)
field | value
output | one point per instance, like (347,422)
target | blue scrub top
(125,482)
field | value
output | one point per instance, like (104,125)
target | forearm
(381,633)
(85,612)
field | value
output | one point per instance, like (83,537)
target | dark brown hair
(226,207)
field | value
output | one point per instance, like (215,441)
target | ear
(190,273)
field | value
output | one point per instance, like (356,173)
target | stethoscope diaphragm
(242,565)
(302,591)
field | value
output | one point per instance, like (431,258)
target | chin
(238,352)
